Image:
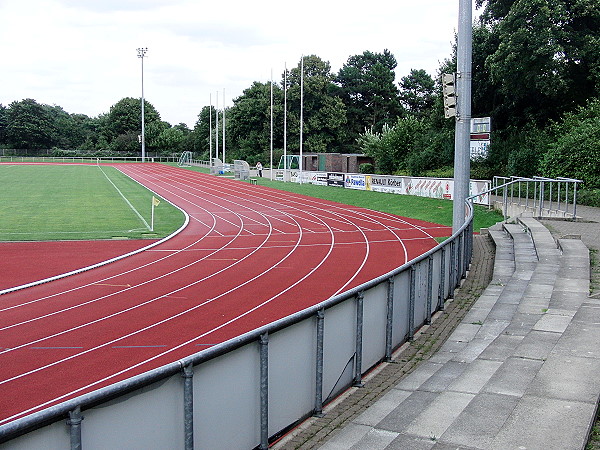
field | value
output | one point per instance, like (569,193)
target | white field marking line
(119,292)
(125,198)
(225,220)
(172,349)
(155,324)
(275,216)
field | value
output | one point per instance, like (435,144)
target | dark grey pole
(188,406)
(359,340)
(264,391)
(429,288)
(411,303)
(74,423)
(389,320)
(319,364)
(442,293)
(462,162)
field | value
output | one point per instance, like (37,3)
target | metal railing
(540,196)
(243,392)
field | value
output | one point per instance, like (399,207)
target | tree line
(536,73)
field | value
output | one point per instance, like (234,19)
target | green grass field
(73,202)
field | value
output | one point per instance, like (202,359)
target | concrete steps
(521,371)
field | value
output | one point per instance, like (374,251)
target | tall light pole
(462,162)
(142,54)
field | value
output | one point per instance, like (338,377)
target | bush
(575,152)
(588,197)
(366,168)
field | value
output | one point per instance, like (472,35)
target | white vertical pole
(142,55)
(223,125)
(217,127)
(210,132)
(143,124)
(462,163)
(301,114)
(285,122)
(271,125)
(152,217)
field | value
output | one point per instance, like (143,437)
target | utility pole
(462,162)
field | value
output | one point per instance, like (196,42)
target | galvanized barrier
(540,196)
(242,393)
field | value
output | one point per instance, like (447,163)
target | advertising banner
(420,186)
(355,181)
(384,183)
(318,178)
(335,179)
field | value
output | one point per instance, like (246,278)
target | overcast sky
(81,54)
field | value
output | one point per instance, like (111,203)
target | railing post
(74,423)
(359,340)
(389,320)
(452,271)
(541,213)
(411,303)
(429,288)
(575,200)
(319,364)
(442,290)
(460,259)
(566,197)
(188,406)
(264,391)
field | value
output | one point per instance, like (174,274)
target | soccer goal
(185,160)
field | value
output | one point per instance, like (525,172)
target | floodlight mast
(142,54)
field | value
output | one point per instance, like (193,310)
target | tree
(3,124)
(124,117)
(249,122)
(543,57)
(324,113)
(574,147)
(417,93)
(29,125)
(367,88)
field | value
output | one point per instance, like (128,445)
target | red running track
(249,256)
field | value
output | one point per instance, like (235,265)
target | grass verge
(422,208)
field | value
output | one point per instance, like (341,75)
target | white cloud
(81,55)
